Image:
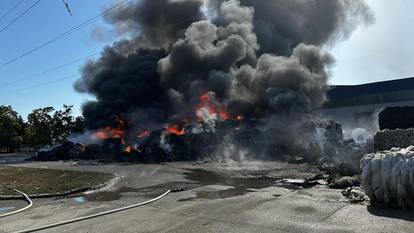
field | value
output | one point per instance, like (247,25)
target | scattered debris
(179,188)
(345,182)
(296,160)
(320,179)
(356,195)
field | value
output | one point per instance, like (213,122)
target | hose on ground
(30,203)
(93,215)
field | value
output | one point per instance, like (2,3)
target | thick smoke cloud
(261,59)
(122,85)
(282,85)
(158,23)
(282,25)
(201,61)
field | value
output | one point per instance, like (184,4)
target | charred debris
(317,142)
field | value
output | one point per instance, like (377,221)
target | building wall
(358,106)
(359,116)
(373,99)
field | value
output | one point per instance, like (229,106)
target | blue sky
(380,52)
(48,19)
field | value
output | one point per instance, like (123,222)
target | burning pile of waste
(226,79)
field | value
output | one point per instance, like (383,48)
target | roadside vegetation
(36,181)
(44,126)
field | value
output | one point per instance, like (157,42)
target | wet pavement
(15,158)
(209,198)
(11,205)
(237,186)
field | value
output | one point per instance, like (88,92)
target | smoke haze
(262,60)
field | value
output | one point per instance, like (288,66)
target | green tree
(65,124)
(78,125)
(39,130)
(11,128)
(47,126)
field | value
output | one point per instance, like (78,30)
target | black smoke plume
(262,60)
(157,23)
(124,85)
(282,25)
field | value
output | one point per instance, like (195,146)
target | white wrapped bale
(388,177)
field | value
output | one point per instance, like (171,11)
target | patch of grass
(34,181)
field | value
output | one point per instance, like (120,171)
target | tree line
(44,126)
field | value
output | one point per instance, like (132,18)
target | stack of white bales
(388,177)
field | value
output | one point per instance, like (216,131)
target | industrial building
(357,106)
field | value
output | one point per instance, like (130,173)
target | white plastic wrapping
(388,177)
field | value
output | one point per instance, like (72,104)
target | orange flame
(112,132)
(109,132)
(213,107)
(224,115)
(102,135)
(128,149)
(175,129)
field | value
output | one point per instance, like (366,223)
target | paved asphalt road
(211,203)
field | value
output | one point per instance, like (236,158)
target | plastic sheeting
(388,177)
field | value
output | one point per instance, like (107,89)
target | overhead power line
(66,33)
(77,60)
(19,16)
(44,83)
(49,70)
(11,10)
(84,24)
(61,66)
(67,7)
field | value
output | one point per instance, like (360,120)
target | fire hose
(93,215)
(22,209)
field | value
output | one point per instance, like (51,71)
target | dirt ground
(38,181)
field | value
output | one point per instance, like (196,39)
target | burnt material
(228,140)
(65,151)
(396,118)
(387,139)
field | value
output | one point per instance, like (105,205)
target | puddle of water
(13,159)
(116,194)
(199,178)
(79,199)
(240,186)
(98,196)
(6,209)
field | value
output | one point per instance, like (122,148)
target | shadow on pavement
(390,212)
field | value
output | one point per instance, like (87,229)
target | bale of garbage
(396,118)
(65,151)
(387,139)
(388,177)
